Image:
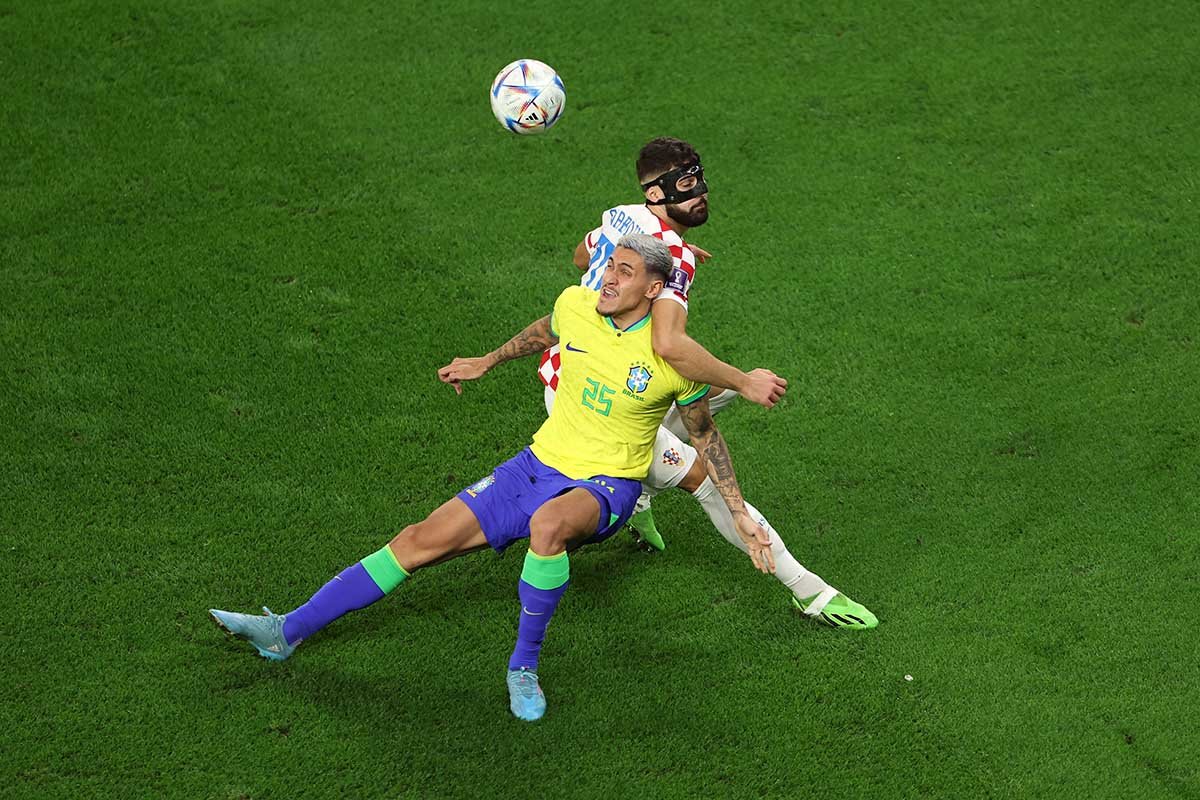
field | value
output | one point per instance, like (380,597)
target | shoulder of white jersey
(683,268)
(614,223)
(632,218)
(649,223)
(646,221)
(623,219)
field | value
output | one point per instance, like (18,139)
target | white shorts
(715,403)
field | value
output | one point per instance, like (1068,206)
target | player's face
(692,213)
(625,284)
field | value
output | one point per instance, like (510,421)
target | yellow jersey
(613,392)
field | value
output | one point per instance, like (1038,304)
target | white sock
(790,572)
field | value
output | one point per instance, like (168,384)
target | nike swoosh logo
(533,613)
(575,349)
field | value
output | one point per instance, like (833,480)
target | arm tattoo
(709,441)
(534,339)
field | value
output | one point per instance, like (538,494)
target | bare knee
(415,546)
(549,534)
(694,477)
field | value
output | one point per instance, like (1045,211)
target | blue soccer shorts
(504,501)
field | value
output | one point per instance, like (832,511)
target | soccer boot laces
(525,697)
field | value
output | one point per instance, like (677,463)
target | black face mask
(679,185)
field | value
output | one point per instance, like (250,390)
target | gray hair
(655,254)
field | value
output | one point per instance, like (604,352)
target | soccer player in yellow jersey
(676,201)
(576,484)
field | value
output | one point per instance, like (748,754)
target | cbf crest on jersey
(639,379)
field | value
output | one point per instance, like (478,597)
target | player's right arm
(583,251)
(697,418)
(534,339)
(582,255)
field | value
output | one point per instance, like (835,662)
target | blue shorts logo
(639,378)
(476,488)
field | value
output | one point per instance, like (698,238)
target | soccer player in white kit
(672,179)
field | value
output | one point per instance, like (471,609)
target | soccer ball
(528,97)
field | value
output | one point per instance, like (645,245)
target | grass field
(238,239)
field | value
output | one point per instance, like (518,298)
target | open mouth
(609,293)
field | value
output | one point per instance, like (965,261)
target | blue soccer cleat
(265,633)
(525,696)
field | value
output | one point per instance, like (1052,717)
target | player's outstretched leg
(810,593)
(449,531)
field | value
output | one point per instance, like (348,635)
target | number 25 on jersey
(598,397)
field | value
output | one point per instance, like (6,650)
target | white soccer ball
(528,97)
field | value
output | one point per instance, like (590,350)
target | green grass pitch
(237,239)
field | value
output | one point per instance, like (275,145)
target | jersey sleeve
(690,391)
(683,270)
(592,240)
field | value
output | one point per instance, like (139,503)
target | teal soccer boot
(265,632)
(525,696)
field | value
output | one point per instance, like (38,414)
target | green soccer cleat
(525,698)
(835,609)
(265,632)
(644,531)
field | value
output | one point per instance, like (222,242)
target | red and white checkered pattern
(548,369)
(683,260)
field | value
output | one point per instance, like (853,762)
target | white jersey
(622,220)
(615,223)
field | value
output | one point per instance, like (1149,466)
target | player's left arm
(700,253)
(693,361)
(536,337)
(697,418)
